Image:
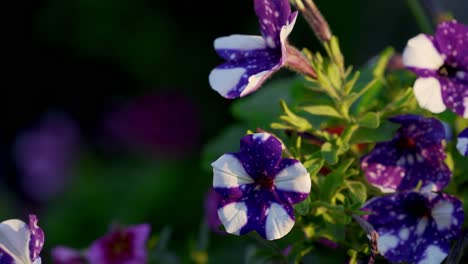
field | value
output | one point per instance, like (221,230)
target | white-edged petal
(240,42)
(442,214)
(286,30)
(224,80)
(256,80)
(233,216)
(293,178)
(278,222)
(421,53)
(387,242)
(428,93)
(229,172)
(14,239)
(433,255)
(462,145)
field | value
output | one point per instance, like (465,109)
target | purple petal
(37,238)
(414,227)
(130,241)
(416,154)
(238,78)
(212,200)
(451,39)
(260,154)
(272,15)
(455,95)
(5,258)
(65,255)
(462,142)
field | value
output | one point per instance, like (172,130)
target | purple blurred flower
(415,227)
(45,154)
(259,188)
(462,142)
(212,200)
(250,60)
(65,255)
(161,124)
(441,61)
(121,246)
(20,242)
(415,154)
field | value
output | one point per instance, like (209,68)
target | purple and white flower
(441,61)
(259,187)
(121,246)
(415,227)
(462,142)
(21,243)
(250,60)
(415,154)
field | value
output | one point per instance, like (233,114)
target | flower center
(265,182)
(418,208)
(406,143)
(119,246)
(448,71)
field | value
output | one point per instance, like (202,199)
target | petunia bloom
(21,243)
(121,246)
(415,154)
(65,255)
(259,187)
(441,61)
(212,200)
(415,227)
(462,142)
(250,60)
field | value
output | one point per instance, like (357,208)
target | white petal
(224,80)
(256,80)
(14,239)
(293,178)
(233,216)
(278,222)
(285,31)
(434,255)
(386,242)
(465,104)
(240,42)
(229,172)
(462,145)
(421,53)
(429,94)
(37,261)
(442,214)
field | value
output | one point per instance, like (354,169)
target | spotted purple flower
(462,142)
(415,227)
(121,246)
(250,60)
(415,154)
(45,155)
(212,200)
(21,243)
(441,61)
(259,188)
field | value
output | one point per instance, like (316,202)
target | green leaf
(303,208)
(301,124)
(330,153)
(333,182)
(384,132)
(382,63)
(370,120)
(358,191)
(322,110)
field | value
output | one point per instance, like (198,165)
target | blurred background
(107,109)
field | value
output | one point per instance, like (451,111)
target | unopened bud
(315,19)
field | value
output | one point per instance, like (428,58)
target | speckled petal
(462,142)
(37,238)
(451,39)
(260,154)
(415,227)
(455,95)
(272,15)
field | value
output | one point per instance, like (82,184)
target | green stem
(421,17)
